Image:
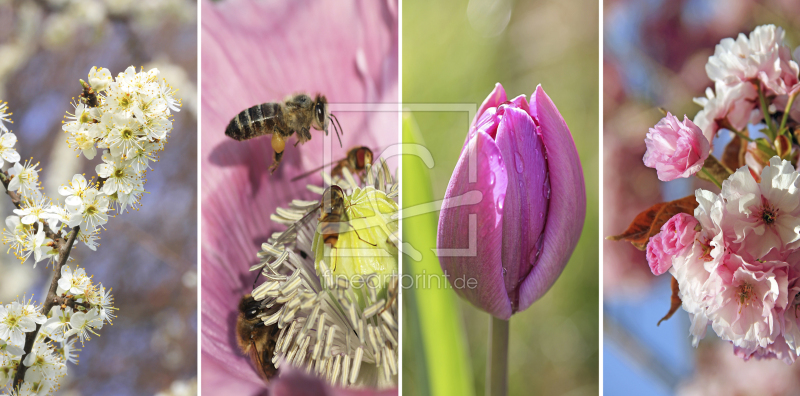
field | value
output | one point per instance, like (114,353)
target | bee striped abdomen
(256,121)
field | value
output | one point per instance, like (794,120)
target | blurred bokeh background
(654,55)
(455,52)
(149,256)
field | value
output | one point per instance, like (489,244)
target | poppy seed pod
(531,209)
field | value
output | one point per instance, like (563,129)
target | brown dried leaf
(675,302)
(732,157)
(649,222)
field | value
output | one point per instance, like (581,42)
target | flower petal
(495,98)
(567,208)
(296,382)
(491,182)
(525,212)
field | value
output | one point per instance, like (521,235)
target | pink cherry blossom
(675,149)
(749,298)
(658,260)
(763,56)
(764,216)
(678,233)
(728,105)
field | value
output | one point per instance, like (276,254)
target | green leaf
(765,147)
(435,359)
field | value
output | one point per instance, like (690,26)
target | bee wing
(311,172)
(291,232)
(255,357)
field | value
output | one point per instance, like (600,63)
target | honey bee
(256,339)
(297,114)
(356,161)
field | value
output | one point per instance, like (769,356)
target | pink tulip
(256,52)
(532,207)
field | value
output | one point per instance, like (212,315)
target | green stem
(786,112)
(740,134)
(497,358)
(765,110)
(711,177)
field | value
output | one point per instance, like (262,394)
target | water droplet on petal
(518,162)
(491,179)
(505,271)
(499,203)
(533,256)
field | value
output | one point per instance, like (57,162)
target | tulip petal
(453,233)
(525,211)
(521,102)
(495,98)
(568,204)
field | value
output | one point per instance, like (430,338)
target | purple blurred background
(655,53)
(148,256)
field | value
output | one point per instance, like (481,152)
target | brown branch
(64,248)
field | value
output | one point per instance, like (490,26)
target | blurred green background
(454,52)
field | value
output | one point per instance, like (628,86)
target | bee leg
(276,160)
(278,145)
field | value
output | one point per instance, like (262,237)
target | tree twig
(64,248)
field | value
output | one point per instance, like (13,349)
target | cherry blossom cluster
(736,258)
(84,308)
(737,261)
(755,81)
(741,70)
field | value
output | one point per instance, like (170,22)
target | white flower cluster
(45,365)
(740,69)
(54,345)
(129,118)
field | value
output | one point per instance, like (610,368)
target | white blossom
(4,117)
(72,282)
(119,175)
(25,179)
(16,319)
(84,324)
(74,191)
(7,151)
(99,78)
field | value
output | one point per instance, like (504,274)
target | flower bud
(675,149)
(676,234)
(521,233)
